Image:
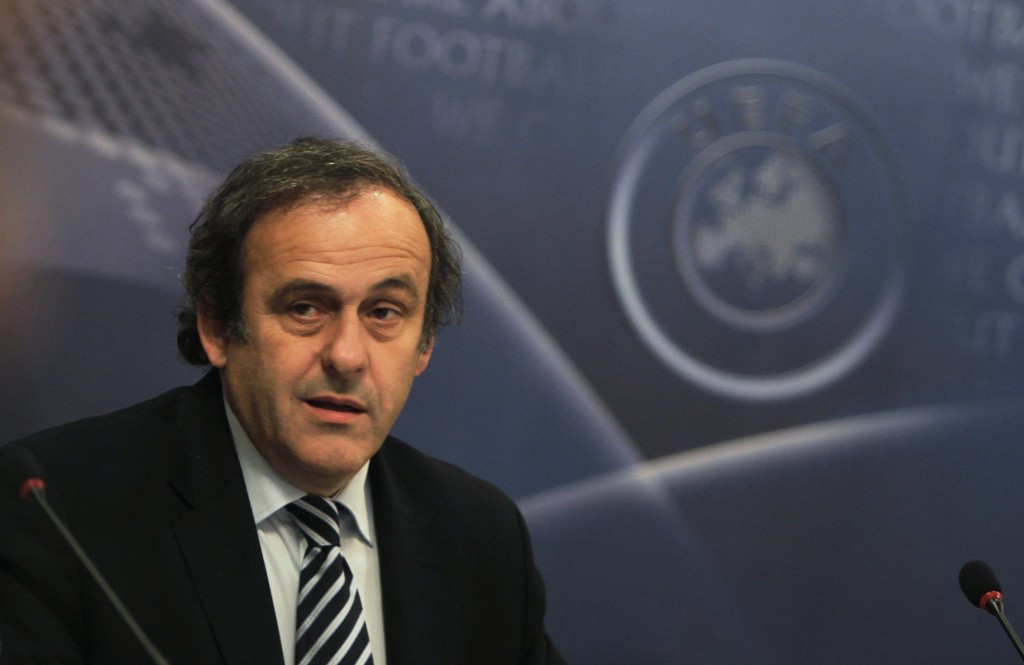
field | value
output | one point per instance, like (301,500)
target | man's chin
(332,473)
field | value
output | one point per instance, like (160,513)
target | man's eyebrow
(401,282)
(307,286)
(304,286)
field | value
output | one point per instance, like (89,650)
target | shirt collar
(269,492)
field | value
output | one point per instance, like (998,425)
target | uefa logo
(758,234)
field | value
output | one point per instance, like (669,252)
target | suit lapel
(413,572)
(217,536)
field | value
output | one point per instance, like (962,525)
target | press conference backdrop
(744,319)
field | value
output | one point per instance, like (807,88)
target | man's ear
(213,334)
(424,359)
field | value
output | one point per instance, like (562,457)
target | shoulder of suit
(443,478)
(153,409)
(111,435)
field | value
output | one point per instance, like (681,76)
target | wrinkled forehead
(372,220)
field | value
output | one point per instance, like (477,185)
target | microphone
(36,488)
(979,584)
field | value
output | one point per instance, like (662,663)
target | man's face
(333,305)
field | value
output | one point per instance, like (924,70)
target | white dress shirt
(283,544)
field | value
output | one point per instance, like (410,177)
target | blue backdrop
(744,322)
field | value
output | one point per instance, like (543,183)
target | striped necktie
(329,625)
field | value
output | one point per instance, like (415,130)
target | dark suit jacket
(155,495)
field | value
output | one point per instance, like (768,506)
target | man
(316,279)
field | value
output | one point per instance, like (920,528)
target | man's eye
(304,310)
(383,313)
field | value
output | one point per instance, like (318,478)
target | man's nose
(345,347)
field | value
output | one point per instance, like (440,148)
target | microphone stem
(997,606)
(150,648)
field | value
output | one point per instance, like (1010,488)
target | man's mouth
(334,406)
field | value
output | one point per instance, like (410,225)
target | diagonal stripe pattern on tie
(330,628)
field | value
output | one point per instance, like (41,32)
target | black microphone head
(976,580)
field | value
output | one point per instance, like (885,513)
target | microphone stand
(35,487)
(995,606)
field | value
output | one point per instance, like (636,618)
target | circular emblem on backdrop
(757,230)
